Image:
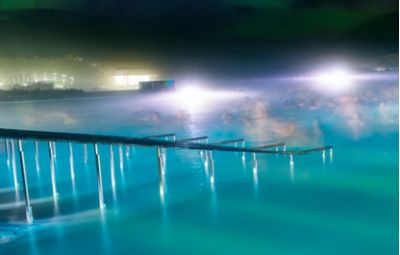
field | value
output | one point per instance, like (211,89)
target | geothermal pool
(344,205)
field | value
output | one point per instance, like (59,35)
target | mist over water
(287,109)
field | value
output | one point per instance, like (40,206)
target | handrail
(238,140)
(273,145)
(192,139)
(108,139)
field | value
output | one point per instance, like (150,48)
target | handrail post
(52,171)
(37,156)
(212,172)
(28,208)
(14,167)
(121,159)
(127,152)
(164,157)
(160,158)
(243,153)
(71,161)
(7,151)
(99,178)
(112,169)
(85,155)
(54,149)
(254,162)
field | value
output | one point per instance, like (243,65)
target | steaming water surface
(347,204)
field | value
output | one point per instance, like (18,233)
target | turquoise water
(344,205)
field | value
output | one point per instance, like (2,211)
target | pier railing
(161,142)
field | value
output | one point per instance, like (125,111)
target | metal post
(6,145)
(54,150)
(14,167)
(99,179)
(112,172)
(291,159)
(36,149)
(204,155)
(28,208)
(127,150)
(254,161)
(206,158)
(85,155)
(164,157)
(52,171)
(212,174)
(243,154)
(161,173)
(160,158)
(255,174)
(331,154)
(323,156)
(71,161)
(37,156)
(121,159)
(112,168)
(8,151)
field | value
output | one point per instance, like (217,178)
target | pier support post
(243,153)
(160,158)
(112,168)
(255,173)
(291,159)
(28,208)
(52,171)
(204,155)
(121,159)
(7,151)
(99,178)
(331,154)
(54,150)
(37,157)
(127,152)
(85,155)
(254,162)
(71,161)
(211,164)
(14,167)
(161,171)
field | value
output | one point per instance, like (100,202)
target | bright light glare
(195,99)
(335,80)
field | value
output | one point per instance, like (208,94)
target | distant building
(156,85)
(41,85)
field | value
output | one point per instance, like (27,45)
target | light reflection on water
(246,199)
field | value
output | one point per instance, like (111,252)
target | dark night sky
(208,33)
